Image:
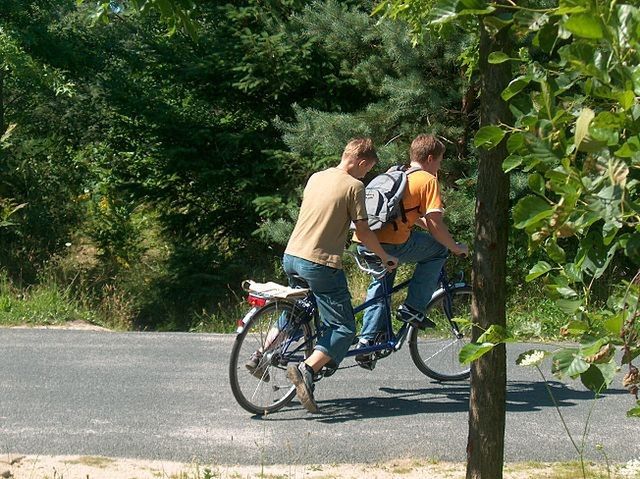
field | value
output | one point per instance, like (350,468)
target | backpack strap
(403,212)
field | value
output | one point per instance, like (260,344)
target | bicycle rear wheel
(435,350)
(276,330)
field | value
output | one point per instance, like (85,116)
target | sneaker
(302,378)
(258,367)
(366,361)
(414,318)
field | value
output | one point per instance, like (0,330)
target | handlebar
(370,263)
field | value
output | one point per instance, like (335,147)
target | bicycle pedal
(368,365)
(326,372)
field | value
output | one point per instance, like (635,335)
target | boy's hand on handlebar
(461,250)
(390,262)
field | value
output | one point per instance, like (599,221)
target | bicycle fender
(451,288)
(242,322)
(436,293)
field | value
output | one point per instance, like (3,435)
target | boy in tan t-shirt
(332,199)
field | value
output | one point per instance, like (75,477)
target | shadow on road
(444,398)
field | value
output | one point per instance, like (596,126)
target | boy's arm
(370,240)
(434,223)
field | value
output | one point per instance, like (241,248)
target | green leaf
(511,162)
(496,334)
(541,267)
(565,10)
(572,272)
(536,183)
(515,142)
(530,210)
(472,351)
(613,325)
(495,24)
(627,99)
(635,411)
(515,86)
(599,376)
(630,148)
(632,248)
(569,306)
(566,292)
(547,37)
(629,355)
(488,137)
(555,252)
(568,362)
(585,26)
(444,11)
(498,57)
(531,21)
(582,125)
(575,327)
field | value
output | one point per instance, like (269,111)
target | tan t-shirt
(332,199)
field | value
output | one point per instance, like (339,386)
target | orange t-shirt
(421,197)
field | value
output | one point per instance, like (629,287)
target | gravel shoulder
(98,467)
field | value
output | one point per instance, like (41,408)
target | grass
(53,301)
(45,304)
(101,468)
(93,461)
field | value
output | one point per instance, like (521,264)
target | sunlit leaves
(539,269)
(582,125)
(530,211)
(515,86)
(449,10)
(584,25)
(488,137)
(635,411)
(488,340)
(176,14)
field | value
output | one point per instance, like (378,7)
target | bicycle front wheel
(435,350)
(273,337)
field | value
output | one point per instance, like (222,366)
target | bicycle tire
(435,350)
(271,391)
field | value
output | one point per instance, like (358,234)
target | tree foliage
(574,97)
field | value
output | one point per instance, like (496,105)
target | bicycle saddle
(299,282)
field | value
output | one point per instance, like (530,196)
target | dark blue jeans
(329,286)
(420,248)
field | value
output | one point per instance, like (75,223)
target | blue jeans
(420,248)
(329,286)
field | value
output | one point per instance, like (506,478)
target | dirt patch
(96,467)
(75,325)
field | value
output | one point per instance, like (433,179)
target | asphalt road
(167,396)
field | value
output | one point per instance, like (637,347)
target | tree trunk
(2,130)
(466,111)
(485,445)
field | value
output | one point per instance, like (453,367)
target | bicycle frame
(395,339)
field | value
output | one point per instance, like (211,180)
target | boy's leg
(373,320)
(429,256)
(329,286)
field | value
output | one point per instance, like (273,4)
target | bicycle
(284,325)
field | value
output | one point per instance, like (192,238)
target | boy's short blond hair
(423,146)
(360,148)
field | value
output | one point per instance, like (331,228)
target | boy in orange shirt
(428,249)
